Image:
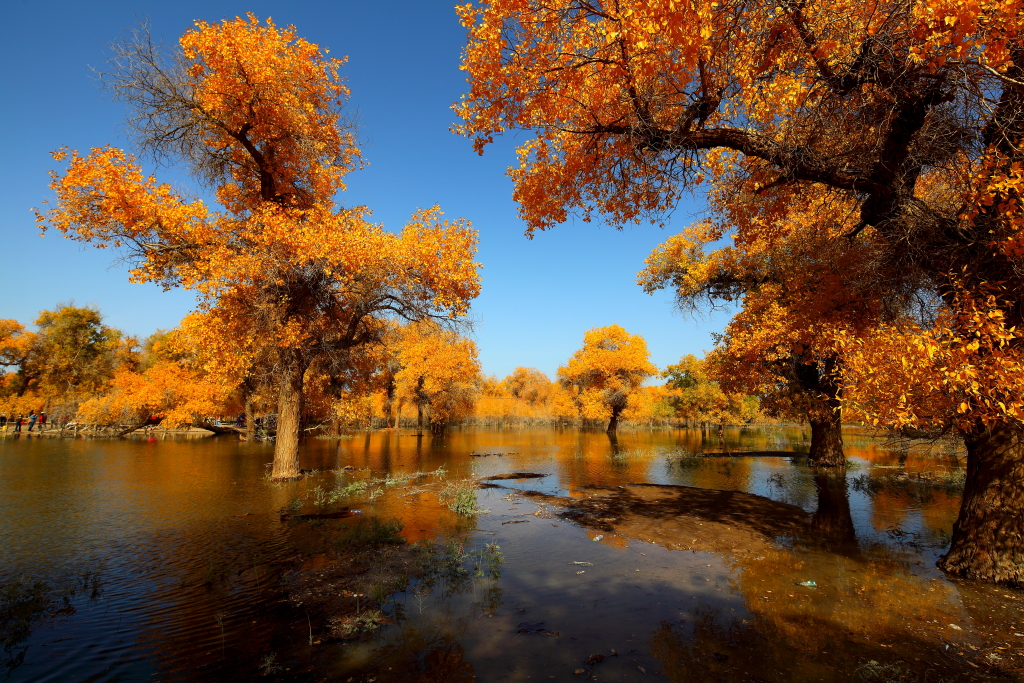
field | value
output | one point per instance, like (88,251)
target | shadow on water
(624,557)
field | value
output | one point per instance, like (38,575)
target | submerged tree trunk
(819,379)
(289,406)
(398,413)
(827,441)
(419,416)
(988,536)
(613,424)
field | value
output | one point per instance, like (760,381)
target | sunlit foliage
(908,113)
(284,275)
(603,375)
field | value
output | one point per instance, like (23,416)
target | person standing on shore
(17,425)
(42,420)
(32,417)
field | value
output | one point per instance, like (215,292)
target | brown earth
(683,517)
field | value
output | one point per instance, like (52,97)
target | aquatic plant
(350,627)
(269,664)
(488,560)
(459,497)
(25,603)
(350,489)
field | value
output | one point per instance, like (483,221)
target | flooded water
(171,561)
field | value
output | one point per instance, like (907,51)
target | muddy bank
(683,517)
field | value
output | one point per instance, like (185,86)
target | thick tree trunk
(827,441)
(988,536)
(289,407)
(419,417)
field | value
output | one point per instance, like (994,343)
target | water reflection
(832,523)
(196,555)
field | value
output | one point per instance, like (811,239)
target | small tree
(603,374)
(439,373)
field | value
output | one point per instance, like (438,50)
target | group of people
(17,423)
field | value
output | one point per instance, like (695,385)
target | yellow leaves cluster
(281,270)
(168,390)
(105,198)
(272,86)
(965,369)
(438,368)
(611,366)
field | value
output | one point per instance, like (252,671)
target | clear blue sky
(539,296)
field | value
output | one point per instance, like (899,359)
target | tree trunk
(389,404)
(988,536)
(398,413)
(613,424)
(827,441)
(289,406)
(419,417)
(250,419)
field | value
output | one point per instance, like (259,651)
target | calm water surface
(186,537)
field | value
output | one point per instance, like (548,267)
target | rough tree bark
(988,536)
(289,406)
(819,379)
(827,440)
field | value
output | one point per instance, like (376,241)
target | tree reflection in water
(832,523)
(867,606)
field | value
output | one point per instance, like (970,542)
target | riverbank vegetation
(419,375)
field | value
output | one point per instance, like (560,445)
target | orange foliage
(284,276)
(439,371)
(603,375)
(779,108)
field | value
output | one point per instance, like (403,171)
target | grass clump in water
(351,627)
(459,497)
(26,604)
(269,665)
(350,489)
(370,532)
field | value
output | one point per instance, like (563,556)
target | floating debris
(808,584)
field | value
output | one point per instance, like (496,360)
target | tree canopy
(908,115)
(283,274)
(602,375)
